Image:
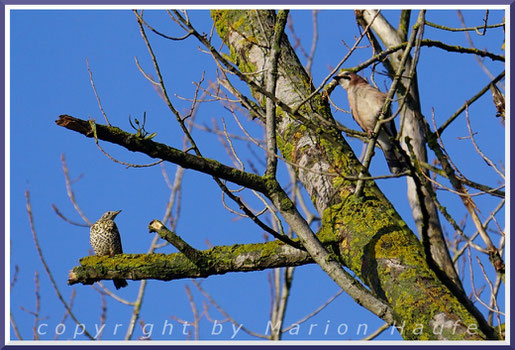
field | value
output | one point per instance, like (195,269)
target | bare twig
(476,147)
(45,266)
(196,316)
(377,332)
(468,103)
(15,277)
(475,292)
(66,313)
(69,191)
(466,29)
(314,42)
(333,72)
(96,94)
(128,165)
(140,17)
(71,222)
(314,312)
(226,315)
(471,239)
(38,305)
(493,307)
(15,327)
(471,43)
(106,291)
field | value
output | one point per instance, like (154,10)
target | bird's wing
(368,102)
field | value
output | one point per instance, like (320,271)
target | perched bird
(105,240)
(366,103)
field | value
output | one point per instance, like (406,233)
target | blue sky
(49,77)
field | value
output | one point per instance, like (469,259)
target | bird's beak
(116,213)
(336,77)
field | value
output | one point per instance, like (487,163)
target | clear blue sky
(49,49)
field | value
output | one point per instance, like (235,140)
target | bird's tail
(393,157)
(119,283)
(395,161)
(390,146)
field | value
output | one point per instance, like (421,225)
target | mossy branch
(216,261)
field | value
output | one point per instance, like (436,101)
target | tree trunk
(375,243)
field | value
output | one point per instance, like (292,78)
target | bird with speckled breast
(105,240)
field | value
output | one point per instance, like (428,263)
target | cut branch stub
(191,253)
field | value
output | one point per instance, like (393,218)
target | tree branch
(216,261)
(271,83)
(161,151)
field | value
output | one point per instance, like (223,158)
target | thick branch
(161,151)
(271,83)
(216,261)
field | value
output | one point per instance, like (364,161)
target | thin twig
(69,191)
(66,313)
(128,165)
(45,266)
(315,312)
(483,188)
(471,239)
(472,284)
(15,277)
(495,307)
(466,29)
(194,311)
(471,43)
(105,290)
(476,147)
(226,315)
(38,305)
(314,42)
(160,33)
(15,327)
(377,332)
(96,94)
(61,215)
(468,103)
(333,72)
